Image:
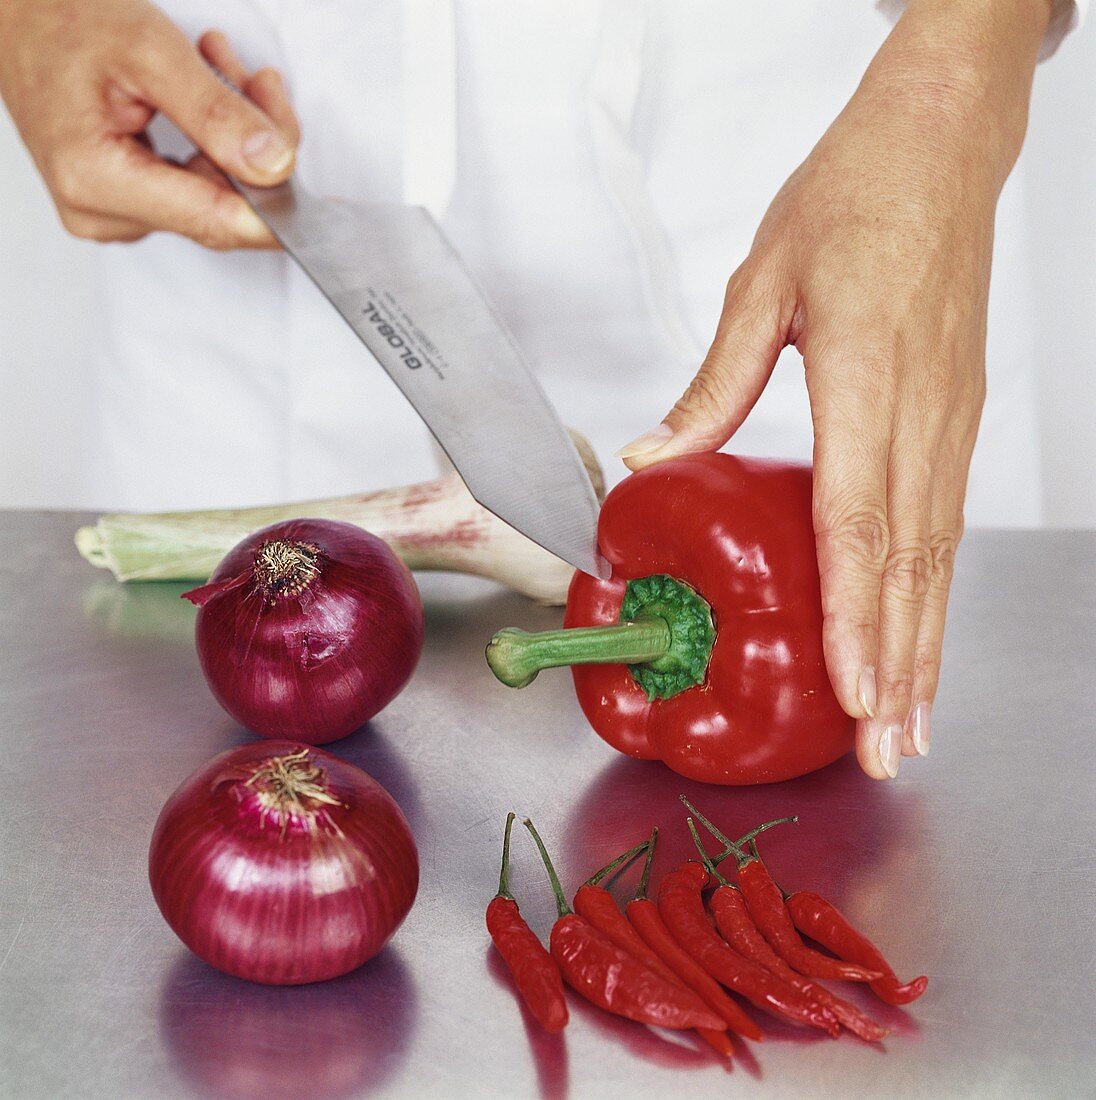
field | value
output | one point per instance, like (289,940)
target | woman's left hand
(874,261)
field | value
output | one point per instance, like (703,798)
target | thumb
(748,340)
(227,127)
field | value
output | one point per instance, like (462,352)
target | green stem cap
(665,636)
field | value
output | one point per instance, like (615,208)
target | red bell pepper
(704,648)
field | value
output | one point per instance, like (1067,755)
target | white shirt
(609,163)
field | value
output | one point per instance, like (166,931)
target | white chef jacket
(601,165)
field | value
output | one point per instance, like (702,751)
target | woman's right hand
(82,82)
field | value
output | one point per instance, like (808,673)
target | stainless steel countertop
(975,867)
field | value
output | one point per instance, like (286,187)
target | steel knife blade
(401,286)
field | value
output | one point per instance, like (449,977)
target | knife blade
(401,286)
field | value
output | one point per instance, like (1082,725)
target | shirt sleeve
(1065,18)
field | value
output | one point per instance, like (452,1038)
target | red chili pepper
(599,907)
(765,902)
(681,906)
(611,978)
(534,971)
(733,920)
(704,649)
(644,917)
(824,922)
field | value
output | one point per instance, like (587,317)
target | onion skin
(282,898)
(317,664)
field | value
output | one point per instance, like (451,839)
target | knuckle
(83,227)
(212,222)
(215,110)
(708,395)
(66,180)
(862,537)
(942,551)
(147,45)
(743,289)
(907,574)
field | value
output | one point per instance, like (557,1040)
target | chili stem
(561,901)
(734,847)
(624,858)
(645,878)
(516,656)
(504,874)
(706,859)
(749,837)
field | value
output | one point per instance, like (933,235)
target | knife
(397,281)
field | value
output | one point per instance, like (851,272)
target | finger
(165,196)
(902,591)
(748,340)
(200,165)
(101,228)
(853,541)
(267,88)
(947,530)
(232,131)
(216,47)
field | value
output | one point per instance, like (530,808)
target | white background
(46,299)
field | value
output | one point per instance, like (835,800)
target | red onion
(307,629)
(282,864)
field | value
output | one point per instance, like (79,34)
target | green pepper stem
(705,858)
(516,656)
(561,901)
(504,874)
(624,858)
(645,878)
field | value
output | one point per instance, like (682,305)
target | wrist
(964,68)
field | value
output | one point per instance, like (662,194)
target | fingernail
(890,749)
(866,691)
(647,442)
(922,728)
(249,226)
(267,151)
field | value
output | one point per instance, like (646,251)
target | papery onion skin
(282,898)
(315,664)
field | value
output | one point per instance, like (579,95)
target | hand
(874,261)
(82,82)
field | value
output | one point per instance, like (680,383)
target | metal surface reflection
(549,1052)
(234,1039)
(847,822)
(975,867)
(153,610)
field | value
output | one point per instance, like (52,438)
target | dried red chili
(765,902)
(733,920)
(611,978)
(644,917)
(681,905)
(535,972)
(823,921)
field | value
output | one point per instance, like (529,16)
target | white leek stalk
(433,526)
